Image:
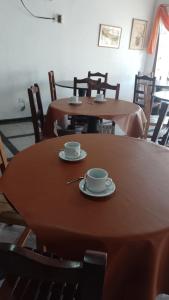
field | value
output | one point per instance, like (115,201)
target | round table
(162,95)
(82,87)
(131,225)
(129,116)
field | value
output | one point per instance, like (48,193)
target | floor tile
(22,142)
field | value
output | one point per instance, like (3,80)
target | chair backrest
(93,85)
(35,274)
(140,81)
(36,111)
(52,85)
(159,125)
(76,82)
(99,76)
(3,158)
(147,106)
(106,86)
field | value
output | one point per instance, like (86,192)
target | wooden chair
(8,213)
(36,111)
(106,86)
(52,85)
(38,116)
(161,130)
(31,275)
(140,82)
(75,85)
(107,126)
(159,123)
(81,120)
(3,158)
(99,76)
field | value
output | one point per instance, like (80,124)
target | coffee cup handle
(108,182)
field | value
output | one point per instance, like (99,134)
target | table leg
(82,92)
(92,124)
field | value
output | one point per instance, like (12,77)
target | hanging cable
(33,15)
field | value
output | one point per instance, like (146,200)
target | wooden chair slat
(47,278)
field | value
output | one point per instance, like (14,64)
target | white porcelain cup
(74,99)
(99,97)
(97,180)
(72,150)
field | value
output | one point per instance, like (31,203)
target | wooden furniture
(3,158)
(52,85)
(140,81)
(127,115)
(160,122)
(38,116)
(8,213)
(131,225)
(69,84)
(99,76)
(161,129)
(107,86)
(36,111)
(92,85)
(76,82)
(32,275)
(107,126)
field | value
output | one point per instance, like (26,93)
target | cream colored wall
(30,47)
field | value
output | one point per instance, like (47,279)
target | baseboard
(16,120)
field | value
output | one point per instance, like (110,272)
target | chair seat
(8,215)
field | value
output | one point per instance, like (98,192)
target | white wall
(29,47)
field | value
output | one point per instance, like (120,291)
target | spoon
(74,180)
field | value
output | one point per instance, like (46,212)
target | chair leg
(23,237)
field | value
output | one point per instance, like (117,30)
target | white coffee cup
(97,180)
(74,99)
(72,150)
(99,97)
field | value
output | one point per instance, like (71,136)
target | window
(162,64)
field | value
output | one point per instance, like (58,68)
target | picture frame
(109,36)
(138,34)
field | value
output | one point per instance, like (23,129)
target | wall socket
(58,18)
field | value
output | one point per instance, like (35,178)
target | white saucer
(110,190)
(75,103)
(100,101)
(83,154)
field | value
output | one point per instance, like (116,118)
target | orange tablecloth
(131,225)
(129,116)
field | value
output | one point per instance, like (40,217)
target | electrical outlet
(58,18)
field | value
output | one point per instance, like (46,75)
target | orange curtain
(161,15)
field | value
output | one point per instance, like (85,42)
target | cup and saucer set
(96,183)
(74,100)
(72,152)
(100,98)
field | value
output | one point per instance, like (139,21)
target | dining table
(69,84)
(131,224)
(129,116)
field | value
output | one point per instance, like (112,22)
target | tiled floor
(16,137)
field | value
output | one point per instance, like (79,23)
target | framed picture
(138,34)
(109,36)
